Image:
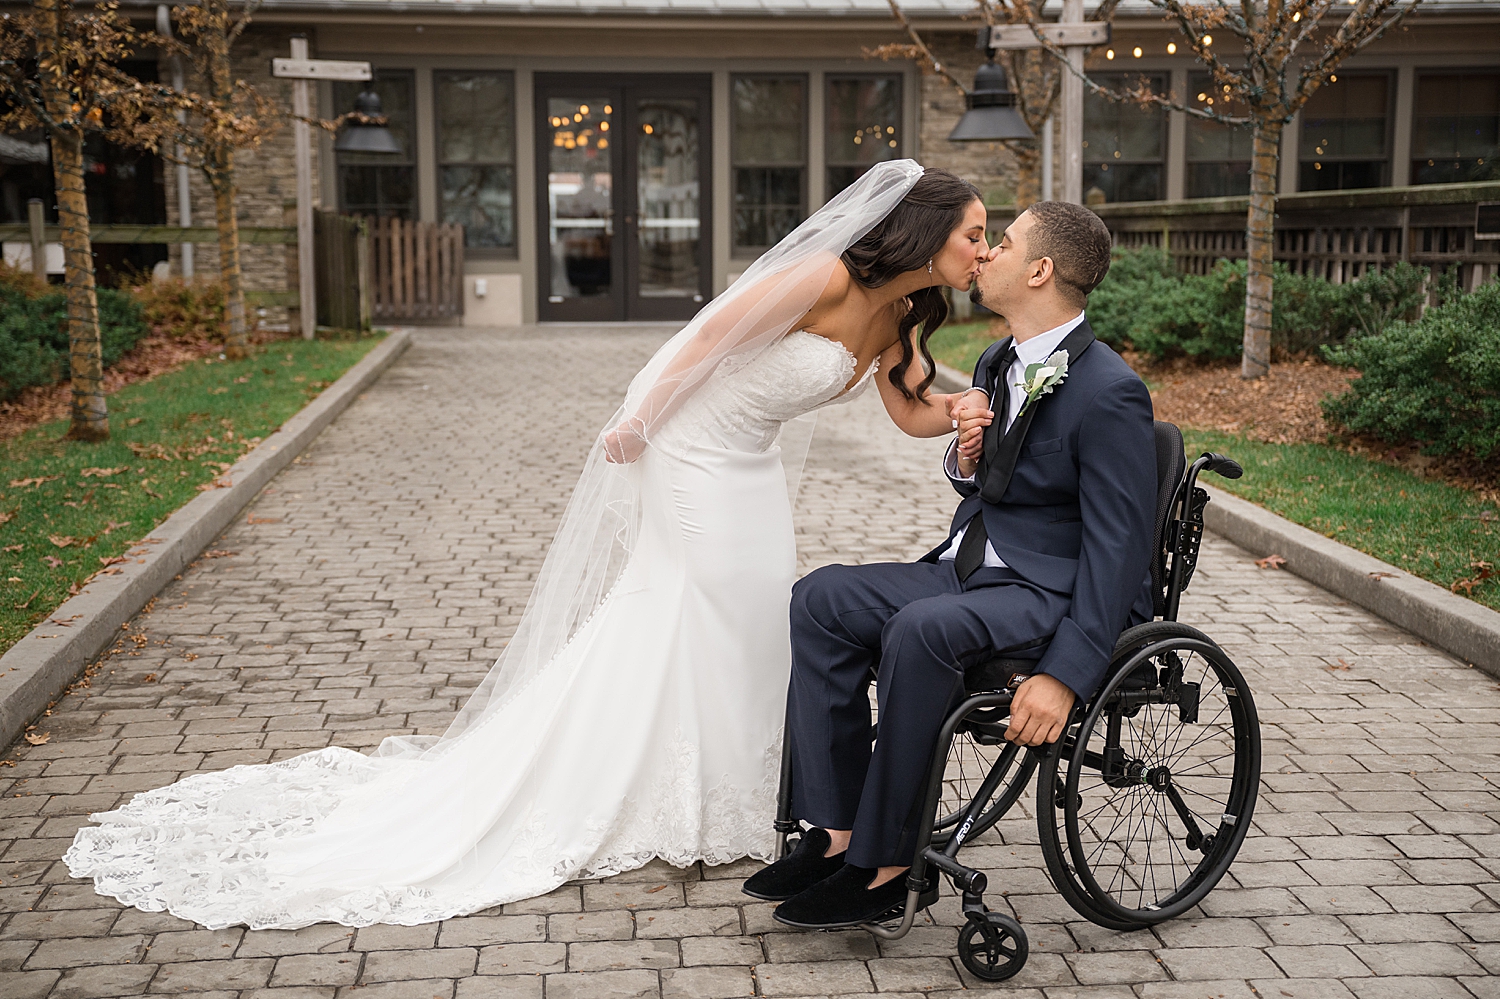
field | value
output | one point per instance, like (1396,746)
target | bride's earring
(929,267)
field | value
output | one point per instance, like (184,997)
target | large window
(1124,145)
(769,152)
(476,156)
(380,183)
(1457,134)
(1218,155)
(1344,139)
(863,126)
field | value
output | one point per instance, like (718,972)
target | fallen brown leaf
(23,483)
(1271,562)
(253,519)
(52,561)
(1486,571)
(28,599)
(103,473)
(1385,575)
(61,540)
(37,740)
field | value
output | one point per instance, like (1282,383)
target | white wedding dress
(654,732)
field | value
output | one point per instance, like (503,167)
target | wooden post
(307,274)
(1071,99)
(34,220)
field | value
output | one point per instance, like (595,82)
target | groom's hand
(1039,711)
(970,413)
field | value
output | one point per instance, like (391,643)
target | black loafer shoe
(797,871)
(846,899)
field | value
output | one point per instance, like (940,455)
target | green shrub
(185,309)
(1435,381)
(1145,304)
(34,339)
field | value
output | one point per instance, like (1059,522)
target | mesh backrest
(1171,466)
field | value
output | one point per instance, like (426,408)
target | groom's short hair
(1078,243)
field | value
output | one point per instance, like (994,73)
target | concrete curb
(37,668)
(1455,624)
(950,379)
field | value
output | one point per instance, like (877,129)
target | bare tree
(1034,74)
(226,115)
(1285,50)
(59,70)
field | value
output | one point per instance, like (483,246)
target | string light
(608,109)
(1109,53)
(583,109)
(1334,78)
(604,126)
(1296,17)
(647,129)
(1171,48)
(1208,39)
(1136,51)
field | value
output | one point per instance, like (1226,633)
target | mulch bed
(1283,408)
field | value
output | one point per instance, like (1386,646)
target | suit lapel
(994,384)
(999,467)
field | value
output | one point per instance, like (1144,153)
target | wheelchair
(1144,801)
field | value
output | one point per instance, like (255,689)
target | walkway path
(370,587)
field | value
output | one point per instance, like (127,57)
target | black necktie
(999,405)
(970,554)
(971,550)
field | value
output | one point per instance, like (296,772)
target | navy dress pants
(920,626)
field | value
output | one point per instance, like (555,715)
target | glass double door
(623,196)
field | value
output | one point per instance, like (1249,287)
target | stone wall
(266,176)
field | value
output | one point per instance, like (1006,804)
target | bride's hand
(623,445)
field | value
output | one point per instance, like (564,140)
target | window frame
(513,251)
(828,162)
(1193,79)
(1416,116)
(1162,79)
(737,252)
(1387,157)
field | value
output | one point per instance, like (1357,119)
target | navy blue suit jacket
(1080,509)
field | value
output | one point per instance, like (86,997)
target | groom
(1051,541)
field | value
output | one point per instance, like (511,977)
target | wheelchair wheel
(979,767)
(993,946)
(1153,790)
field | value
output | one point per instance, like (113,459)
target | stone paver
(373,582)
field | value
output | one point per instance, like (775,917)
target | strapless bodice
(744,403)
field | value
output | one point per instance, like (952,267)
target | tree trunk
(90,414)
(1028,174)
(220,170)
(236,343)
(1255,361)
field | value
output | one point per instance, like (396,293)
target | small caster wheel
(993,946)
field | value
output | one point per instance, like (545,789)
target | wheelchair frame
(983,939)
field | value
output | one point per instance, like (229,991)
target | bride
(637,712)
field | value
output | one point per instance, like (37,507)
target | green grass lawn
(1430,529)
(959,345)
(68,508)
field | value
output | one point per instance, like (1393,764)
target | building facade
(620,160)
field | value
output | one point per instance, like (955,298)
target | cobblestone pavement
(371,584)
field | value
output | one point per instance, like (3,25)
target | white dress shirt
(1037,349)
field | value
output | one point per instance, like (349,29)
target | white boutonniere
(1042,377)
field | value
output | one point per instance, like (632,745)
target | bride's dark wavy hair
(905,240)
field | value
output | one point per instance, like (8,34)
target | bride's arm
(732,327)
(925,416)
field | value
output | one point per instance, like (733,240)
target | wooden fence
(1337,235)
(417,269)
(342,267)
